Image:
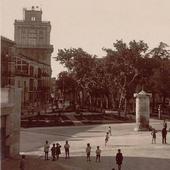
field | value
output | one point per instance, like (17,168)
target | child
(110,132)
(153,133)
(53,152)
(46,150)
(22,163)
(164,133)
(66,147)
(88,151)
(57,150)
(98,153)
(106,138)
(165,124)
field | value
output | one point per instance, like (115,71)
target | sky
(93,24)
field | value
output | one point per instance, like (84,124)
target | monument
(142,110)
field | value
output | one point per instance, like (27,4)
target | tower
(33,58)
(32,35)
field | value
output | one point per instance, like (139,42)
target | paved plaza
(139,153)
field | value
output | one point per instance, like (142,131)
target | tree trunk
(120,104)
(153,102)
(110,101)
(163,104)
(107,102)
(125,107)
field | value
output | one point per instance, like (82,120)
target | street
(136,146)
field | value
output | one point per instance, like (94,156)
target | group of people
(88,152)
(119,155)
(56,150)
(164,133)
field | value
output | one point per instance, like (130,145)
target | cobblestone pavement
(139,153)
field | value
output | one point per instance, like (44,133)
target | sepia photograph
(85,85)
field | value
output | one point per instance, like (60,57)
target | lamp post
(52,101)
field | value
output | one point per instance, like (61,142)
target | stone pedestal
(142,110)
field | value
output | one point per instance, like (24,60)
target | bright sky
(93,24)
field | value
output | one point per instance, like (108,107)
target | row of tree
(111,81)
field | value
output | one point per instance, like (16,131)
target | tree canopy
(124,70)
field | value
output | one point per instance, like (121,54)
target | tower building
(33,56)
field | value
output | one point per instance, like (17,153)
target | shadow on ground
(40,135)
(80,163)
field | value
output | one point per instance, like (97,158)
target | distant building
(7,62)
(33,59)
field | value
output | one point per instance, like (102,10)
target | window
(32,18)
(21,66)
(25,67)
(11,81)
(19,83)
(31,85)
(31,70)
(25,86)
(32,41)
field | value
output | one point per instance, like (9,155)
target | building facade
(7,62)
(33,57)
(10,122)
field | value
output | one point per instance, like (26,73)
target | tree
(125,63)
(67,85)
(113,79)
(161,77)
(80,64)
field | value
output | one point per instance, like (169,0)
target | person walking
(153,133)
(106,138)
(67,147)
(164,133)
(57,150)
(22,163)
(46,150)
(98,154)
(53,152)
(119,159)
(165,124)
(110,131)
(88,151)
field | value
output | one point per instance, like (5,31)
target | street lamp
(52,98)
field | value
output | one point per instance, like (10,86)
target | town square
(85,85)
(139,152)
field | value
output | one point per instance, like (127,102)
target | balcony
(21,73)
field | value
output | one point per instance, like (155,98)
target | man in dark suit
(119,159)
(164,133)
